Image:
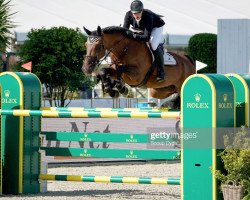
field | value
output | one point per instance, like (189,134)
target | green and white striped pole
(111,179)
(90,114)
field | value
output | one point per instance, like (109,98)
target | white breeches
(156,37)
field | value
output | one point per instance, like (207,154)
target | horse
(132,63)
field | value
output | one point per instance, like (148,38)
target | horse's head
(95,50)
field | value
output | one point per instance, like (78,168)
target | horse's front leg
(115,74)
(110,78)
(121,87)
(108,82)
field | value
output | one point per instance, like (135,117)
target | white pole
(148,97)
(93,93)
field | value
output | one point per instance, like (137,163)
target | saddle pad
(168,58)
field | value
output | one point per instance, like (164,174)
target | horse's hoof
(113,93)
(168,105)
(124,91)
(107,89)
(112,83)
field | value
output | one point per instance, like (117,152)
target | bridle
(94,59)
(91,40)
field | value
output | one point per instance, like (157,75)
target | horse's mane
(115,29)
(112,30)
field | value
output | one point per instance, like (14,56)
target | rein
(109,51)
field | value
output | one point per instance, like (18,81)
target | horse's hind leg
(162,93)
(176,102)
(173,103)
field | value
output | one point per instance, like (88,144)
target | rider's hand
(130,34)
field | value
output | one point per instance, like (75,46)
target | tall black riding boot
(159,61)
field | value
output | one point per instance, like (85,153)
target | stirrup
(160,79)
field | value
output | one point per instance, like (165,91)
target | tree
(57,57)
(203,47)
(5,24)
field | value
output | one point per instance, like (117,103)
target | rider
(152,26)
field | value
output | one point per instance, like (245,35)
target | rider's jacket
(149,20)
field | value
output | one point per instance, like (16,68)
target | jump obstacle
(208,102)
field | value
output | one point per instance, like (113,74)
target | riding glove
(130,34)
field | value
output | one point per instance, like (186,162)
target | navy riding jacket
(149,20)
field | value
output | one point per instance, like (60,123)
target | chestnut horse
(132,63)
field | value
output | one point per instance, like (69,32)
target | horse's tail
(190,59)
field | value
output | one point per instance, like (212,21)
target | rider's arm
(146,32)
(126,23)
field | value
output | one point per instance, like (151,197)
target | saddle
(168,58)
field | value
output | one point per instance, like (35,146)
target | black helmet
(136,6)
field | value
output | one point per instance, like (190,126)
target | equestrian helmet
(136,6)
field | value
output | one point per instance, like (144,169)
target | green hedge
(203,47)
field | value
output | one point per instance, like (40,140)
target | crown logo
(225,97)
(85,135)
(197,97)
(131,136)
(7,93)
(85,151)
(131,152)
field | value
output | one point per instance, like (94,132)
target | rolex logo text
(6,98)
(197,104)
(239,104)
(85,138)
(131,139)
(225,104)
(85,154)
(131,155)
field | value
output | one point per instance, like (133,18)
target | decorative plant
(203,47)
(236,160)
(6,24)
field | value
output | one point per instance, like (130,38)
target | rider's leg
(158,54)
(155,39)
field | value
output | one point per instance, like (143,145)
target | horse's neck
(111,40)
(119,42)
(137,60)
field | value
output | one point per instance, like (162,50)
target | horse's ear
(99,31)
(87,31)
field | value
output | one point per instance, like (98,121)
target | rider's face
(138,15)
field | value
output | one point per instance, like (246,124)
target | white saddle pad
(168,59)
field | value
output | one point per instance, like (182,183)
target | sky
(185,17)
